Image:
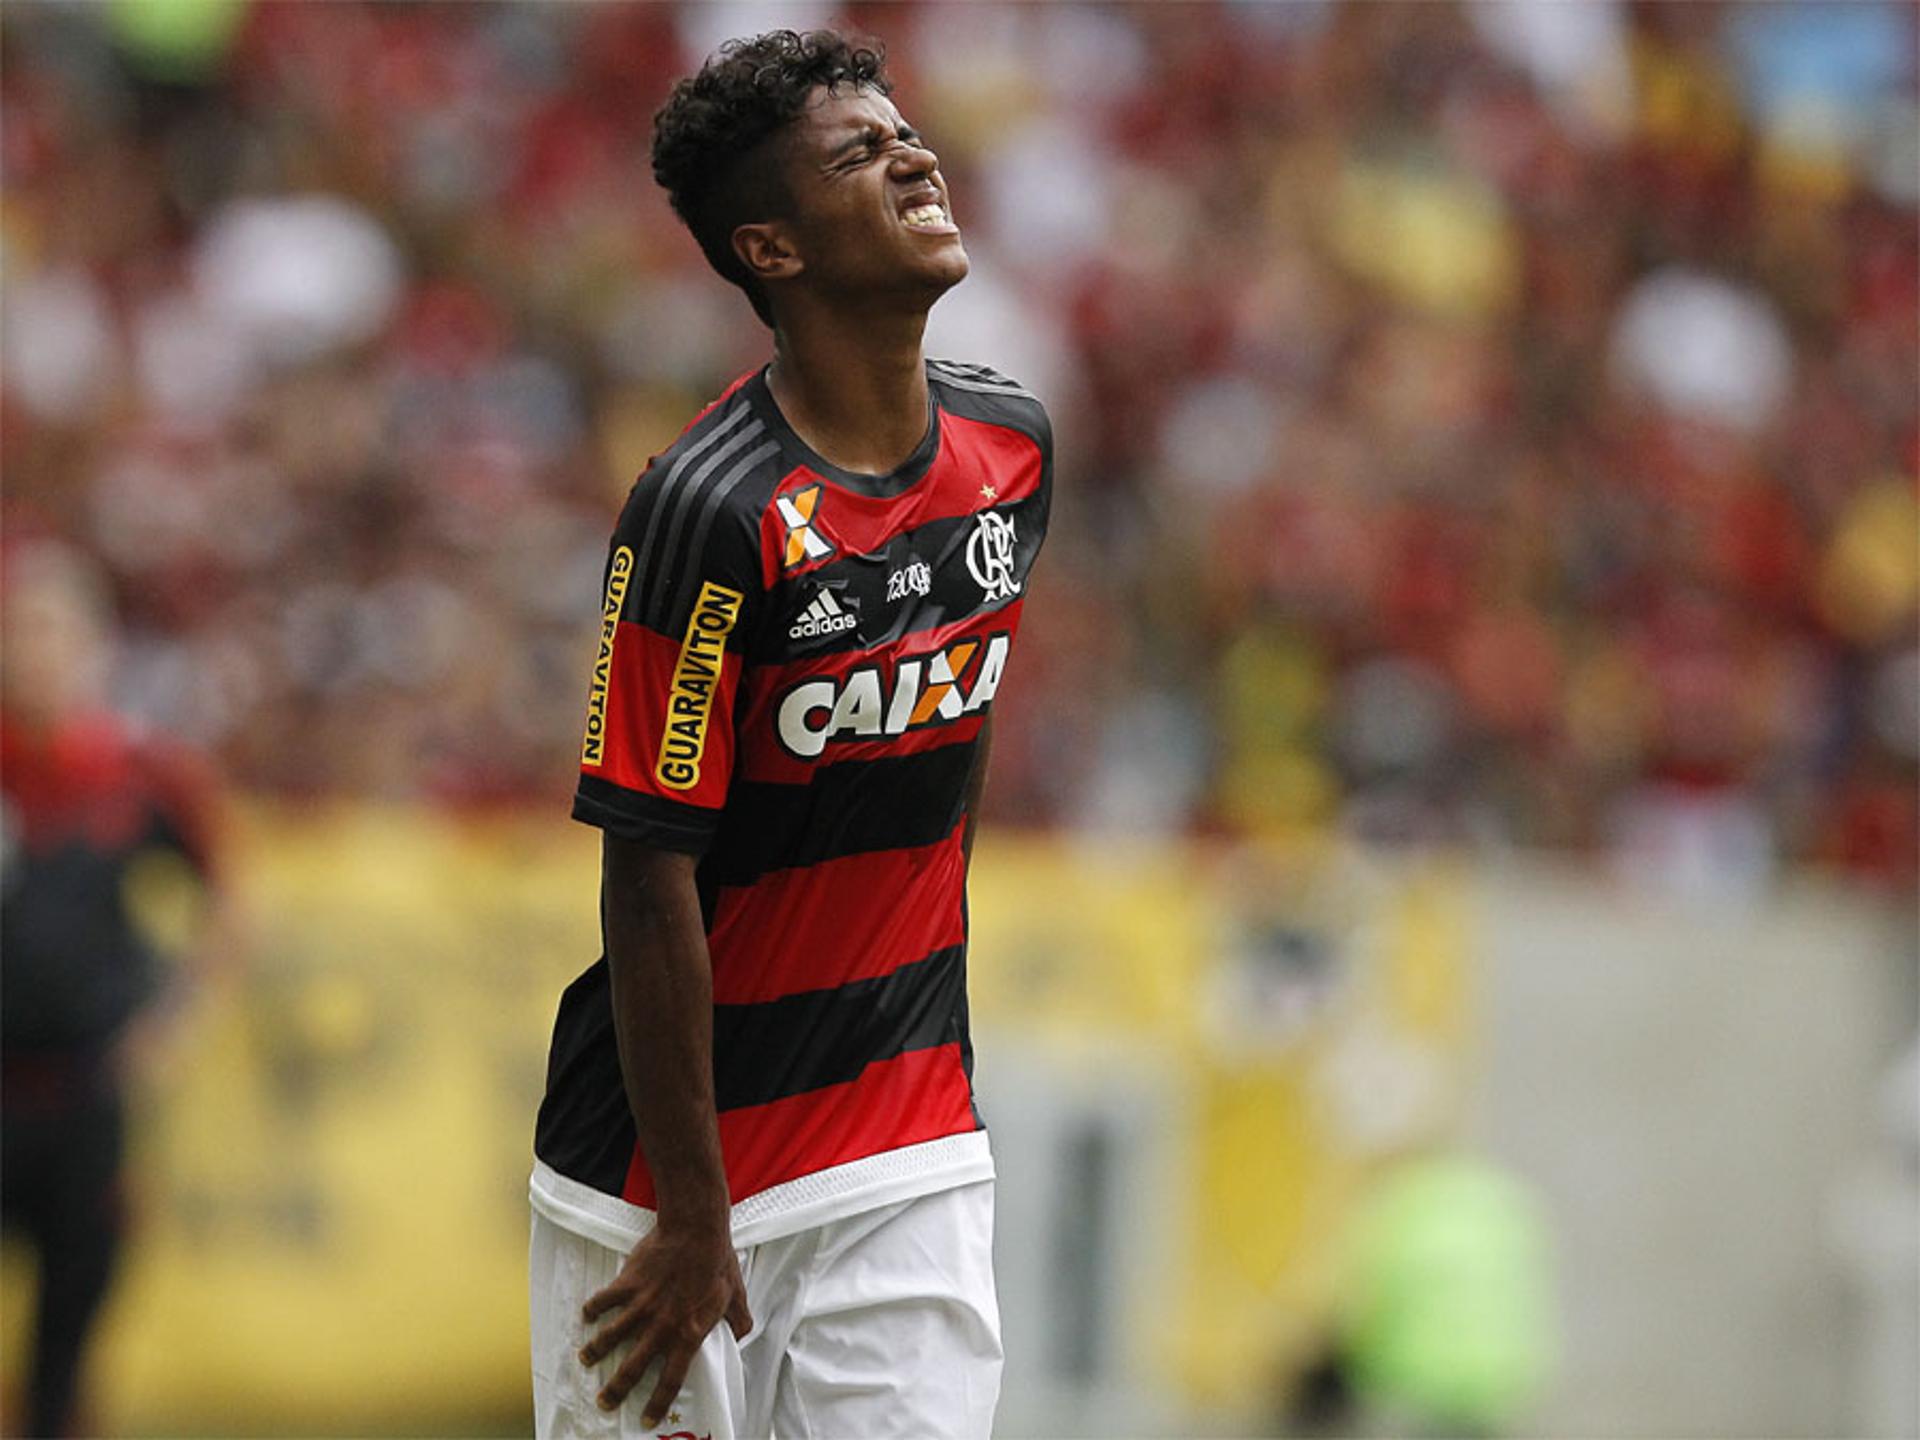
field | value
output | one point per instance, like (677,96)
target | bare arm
(683,1277)
(212,945)
(663,1016)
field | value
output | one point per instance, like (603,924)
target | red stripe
(639,691)
(768,764)
(841,920)
(972,454)
(912,1098)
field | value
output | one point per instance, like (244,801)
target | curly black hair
(710,150)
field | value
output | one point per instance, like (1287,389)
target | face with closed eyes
(869,216)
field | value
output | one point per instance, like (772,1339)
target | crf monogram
(990,556)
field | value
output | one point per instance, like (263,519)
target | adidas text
(823,617)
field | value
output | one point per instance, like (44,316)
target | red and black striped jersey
(794,666)
(81,806)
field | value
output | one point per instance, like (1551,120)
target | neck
(853,387)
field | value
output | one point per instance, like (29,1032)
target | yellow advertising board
(1314,1007)
(330,1177)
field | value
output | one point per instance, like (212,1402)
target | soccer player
(86,802)
(762,1195)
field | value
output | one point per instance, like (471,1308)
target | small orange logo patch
(803,541)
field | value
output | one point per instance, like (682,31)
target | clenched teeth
(922,216)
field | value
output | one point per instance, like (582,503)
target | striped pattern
(832,878)
(681,511)
(976,378)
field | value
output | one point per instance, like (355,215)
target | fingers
(673,1375)
(631,1370)
(602,1301)
(674,1359)
(602,1342)
(664,1321)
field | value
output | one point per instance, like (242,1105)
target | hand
(675,1287)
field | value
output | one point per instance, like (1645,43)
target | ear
(767,250)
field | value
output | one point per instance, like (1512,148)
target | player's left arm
(190,806)
(193,802)
(1042,435)
(1039,428)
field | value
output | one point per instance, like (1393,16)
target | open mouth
(930,217)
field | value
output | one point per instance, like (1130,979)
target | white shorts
(880,1325)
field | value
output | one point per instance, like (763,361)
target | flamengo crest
(990,556)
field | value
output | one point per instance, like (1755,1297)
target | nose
(914,157)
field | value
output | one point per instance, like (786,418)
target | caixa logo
(925,690)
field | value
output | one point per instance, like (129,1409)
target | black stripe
(1011,392)
(802,1042)
(854,807)
(715,496)
(663,495)
(662,588)
(959,372)
(584,1129)
(633,815)
(1008,409)
(971,386)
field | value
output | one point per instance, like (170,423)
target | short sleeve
(682,590)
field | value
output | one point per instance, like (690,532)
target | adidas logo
(824,616)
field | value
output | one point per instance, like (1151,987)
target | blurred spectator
(92,812)
(1450,1326)
(1492,423)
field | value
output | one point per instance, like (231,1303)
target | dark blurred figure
(91,807)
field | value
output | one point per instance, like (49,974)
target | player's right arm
(683,591)
(682,1278)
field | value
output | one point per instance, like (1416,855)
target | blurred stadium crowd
(1491,422)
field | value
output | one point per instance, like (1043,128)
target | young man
(762,1195)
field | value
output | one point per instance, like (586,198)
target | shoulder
(693,516)
(723,443)
(978,392)
(722,464)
